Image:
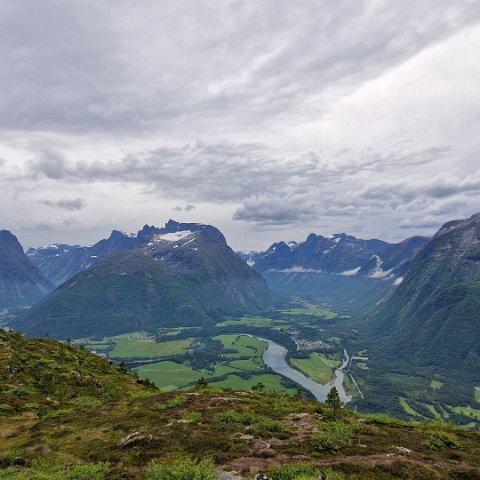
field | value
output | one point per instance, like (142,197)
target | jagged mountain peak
(21,282)
(8,241)
(61,262)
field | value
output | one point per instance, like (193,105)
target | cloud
(66,203)
(186,208)
(87,67)
(340,116)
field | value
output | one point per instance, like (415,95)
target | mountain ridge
(183,277)
(21,282)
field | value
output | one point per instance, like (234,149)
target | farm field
(468,412)
(168,375)
(408,409)
(128,349)
(436,384)
(255,321)
(318,367)
(243,345)
(302,307)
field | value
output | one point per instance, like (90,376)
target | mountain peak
(9,241)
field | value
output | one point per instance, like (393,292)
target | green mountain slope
(112,427)
(431,324)
(183,279)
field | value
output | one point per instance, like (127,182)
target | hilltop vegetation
(70,414)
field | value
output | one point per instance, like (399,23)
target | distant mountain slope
(438,299)
(60,262)
(431,323)
(21,282)
(184,275)
(341,268)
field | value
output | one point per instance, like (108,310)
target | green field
(408,409)
(271,382)
(436,384)
(250,320)
(220,370)
(251,364)
(477,394)
(468,412)
(169,375)
(324,311)
(243,345)
(99,347)
(318,367)
(433,410)
(130,348)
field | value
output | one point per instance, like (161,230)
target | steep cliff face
(430,325)
(21,282)
(435,312)
(184,275)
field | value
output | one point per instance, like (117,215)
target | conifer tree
(334,402)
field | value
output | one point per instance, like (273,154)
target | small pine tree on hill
(334,402)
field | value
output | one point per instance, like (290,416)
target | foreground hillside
(66,413)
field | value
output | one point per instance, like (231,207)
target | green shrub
(171,403)
(334,436)
(192,416)
(184,469)
(235,417)
(302,471)
(42,471)
(258,422)
(86,402)
(6,409)
(441,439)
(294,471)
(264,424)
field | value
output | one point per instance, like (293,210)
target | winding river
(274,357)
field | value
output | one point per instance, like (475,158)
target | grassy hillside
(67,414)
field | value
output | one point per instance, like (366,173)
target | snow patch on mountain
(378,271)
(350,273)
(172,237)
(295,269)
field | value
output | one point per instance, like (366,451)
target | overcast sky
(267,119)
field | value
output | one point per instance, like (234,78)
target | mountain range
(60,262)
(180,275)
(340,268)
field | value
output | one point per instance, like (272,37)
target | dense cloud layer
(269,122)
